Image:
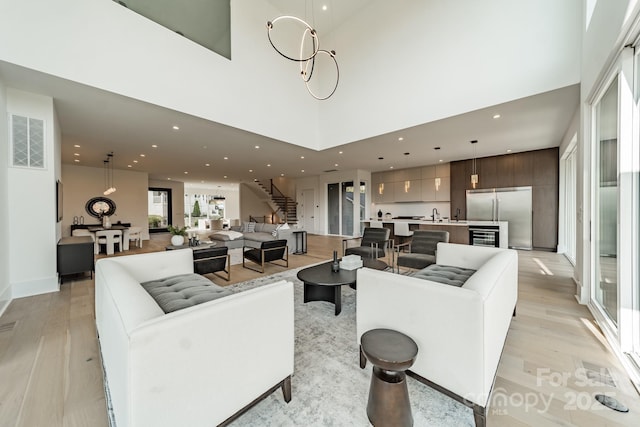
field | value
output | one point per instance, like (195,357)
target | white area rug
(328,386)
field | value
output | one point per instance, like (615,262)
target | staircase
(284,206)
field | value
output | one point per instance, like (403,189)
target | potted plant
(178,234)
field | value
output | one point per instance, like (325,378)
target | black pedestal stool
(391,353)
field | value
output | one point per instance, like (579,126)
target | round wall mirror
(100,206)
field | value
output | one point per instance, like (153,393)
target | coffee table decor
(351,262)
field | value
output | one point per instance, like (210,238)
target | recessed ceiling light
(76,146)
(142,155)
(226,158)
(496,116)
(339,152)
(440,160)
(207,164)
(257,147)
(324,7)
(436,148)
(154,146)
(390,167)
(380,158)
(406,154)
(336,165)
(225,177)
(302,157)
(186,173)
(129,166)
(135,161)
(168,179)
(255,179)
(250,170)
(281,174)
(202,182)
(268,165)
(76,154)
(302,171)
(509,150)
(175,127)
(401,139)
(76,160)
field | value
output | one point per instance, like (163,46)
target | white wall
(33,233)
(408,62)
(420,60)
(81,183)
(102,44)
(5,265)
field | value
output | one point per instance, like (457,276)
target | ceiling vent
(330,170)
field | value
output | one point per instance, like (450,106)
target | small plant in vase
(177,235)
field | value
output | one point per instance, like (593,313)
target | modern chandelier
(308,52)
(108,175)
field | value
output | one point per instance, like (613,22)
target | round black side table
(391,353)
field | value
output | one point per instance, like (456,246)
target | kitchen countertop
(444,222)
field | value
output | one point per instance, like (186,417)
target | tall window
(159,208)
(570,186)
(345,204)
(606,202)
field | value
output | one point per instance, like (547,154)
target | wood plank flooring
(555,357)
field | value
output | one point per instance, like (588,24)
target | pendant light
(474,170)
(108,175)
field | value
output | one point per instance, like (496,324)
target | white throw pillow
(284,226)
(249,227)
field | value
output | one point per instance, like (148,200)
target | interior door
(308,210)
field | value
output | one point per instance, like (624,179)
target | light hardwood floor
(50,373)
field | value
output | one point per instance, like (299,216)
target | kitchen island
(458,230)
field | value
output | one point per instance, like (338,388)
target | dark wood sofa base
(285,385)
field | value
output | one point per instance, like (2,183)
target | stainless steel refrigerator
(504,204)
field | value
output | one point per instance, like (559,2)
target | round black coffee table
(321,284)
(391,353)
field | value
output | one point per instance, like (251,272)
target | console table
(75,255)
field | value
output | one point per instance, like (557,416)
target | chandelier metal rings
(306,58)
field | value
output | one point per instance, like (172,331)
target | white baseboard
(5,300)
(35,287)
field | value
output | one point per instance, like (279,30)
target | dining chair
(109,238)
(135,235)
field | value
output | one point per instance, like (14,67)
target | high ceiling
(95,122)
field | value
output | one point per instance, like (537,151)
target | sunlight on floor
(543,268)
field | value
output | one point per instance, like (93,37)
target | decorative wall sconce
(306,57)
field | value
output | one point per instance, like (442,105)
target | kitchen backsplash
(411,209)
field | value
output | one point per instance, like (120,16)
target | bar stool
(401,230)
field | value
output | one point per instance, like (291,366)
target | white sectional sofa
(237,237)
(460,331)
(197,366)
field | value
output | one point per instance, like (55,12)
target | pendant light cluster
(308,53)
(108,175)
(474,170)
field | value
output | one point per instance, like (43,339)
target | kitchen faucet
(434,213)
(457,215)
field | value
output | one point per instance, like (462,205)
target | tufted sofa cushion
(449,275)
(183,291)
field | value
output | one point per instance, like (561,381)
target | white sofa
(199,366)
(460,331)
(263,232)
